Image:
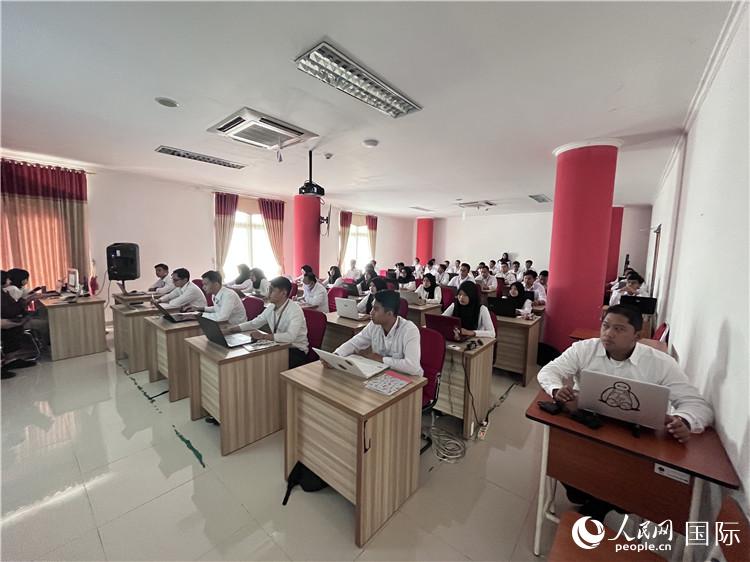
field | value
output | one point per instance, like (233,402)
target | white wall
(482,238)
(636,222)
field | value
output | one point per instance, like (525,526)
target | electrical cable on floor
(447,446)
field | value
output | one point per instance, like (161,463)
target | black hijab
(430,291)
(380,285)
(333,276)
(408,278)
(259,276)
(468,314)
(520,300)
(244,274)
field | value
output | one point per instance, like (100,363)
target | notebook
(388,383)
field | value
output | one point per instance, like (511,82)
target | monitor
(72,279)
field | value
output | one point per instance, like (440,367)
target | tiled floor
(92,470)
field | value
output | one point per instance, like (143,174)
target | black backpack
(302,475)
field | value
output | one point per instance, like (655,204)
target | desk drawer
(210,387)
(452,386)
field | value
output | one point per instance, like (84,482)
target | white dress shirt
(418,270)
(490,282)
(246,285)
(453,269)
(443,279)
(457,280)
(288,326)
(227,307)
(646,364)
(353,274)
(163,286)
(485,328)
(338,283)
(617,295)
(411,286)
(437,296)
(187,295)
(400,348)
(509,277)
(317,297)
(540,293)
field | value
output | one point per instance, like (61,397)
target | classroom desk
(611,464)
(131,299)
(239,388)
(365,445)
(466,373)
(517,344)
(587,334)
(129,324)
(75,328)
(168,353)
(417,312)
(340,330)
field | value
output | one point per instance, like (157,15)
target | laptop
(130,293)
(637,402)
(647,305)
(176,317)
(352,288)
(445,325)
(530,295)
(353,365)
(502,307)
(213,332)
(347,308)
(411,297)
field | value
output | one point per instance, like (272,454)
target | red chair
(209,299)
(333,294)
(662,332)
(316,330)
(448,295)
(417,283)
(347,280)
(403,309)
(383,272)
(500,287)
(293,292)
(198,282)
(253,306)
(391,285)
(432,344)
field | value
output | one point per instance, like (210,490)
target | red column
(306,233)
(615,234)
(425,229)
(581,218)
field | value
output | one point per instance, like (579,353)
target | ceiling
(501,85)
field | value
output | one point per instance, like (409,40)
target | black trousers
(591,506)
(12,338)
(297,358)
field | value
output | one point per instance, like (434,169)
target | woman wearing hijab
(334,277)
(474,316)
(406,280)
(243,282)
(259,283)
(377,284)
(429,291)
(516,294)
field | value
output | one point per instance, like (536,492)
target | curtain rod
(43,165)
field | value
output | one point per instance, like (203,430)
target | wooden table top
(518,321)
(222,354)
(450,346)
(166,326)
(702,455)
(334,318)
(52,302)
(424,307)
(587,334)
(135,310)
(344,391)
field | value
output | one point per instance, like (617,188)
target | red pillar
(306,233)
(615,234)
(425,229)
(581,218)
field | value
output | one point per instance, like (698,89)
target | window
(358,247)
(250,245)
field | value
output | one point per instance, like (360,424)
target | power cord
(447,446)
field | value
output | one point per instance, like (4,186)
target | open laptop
(213,332)
(347,308)
(353,365)
(502,307)
(177,316)
(530,295)
(352,288)
(445,325)
(647,305)
(129,293)
(411,297)
(632,401)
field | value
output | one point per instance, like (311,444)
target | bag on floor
(306,478)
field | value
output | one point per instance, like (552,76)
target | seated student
(494,268)
(258,282)
(619,282)
(455,268)
(227,305)
(334,278)
(429,291)
(391,339)
(186,293)
(507,274)
(163,283)
(314,293)
(632,288)
(516,293)
(353,272)
(475,317)
(617,352)
(303,271)
(242,282)
(18,286)
(516,270)
(463,276)
(406,280)
(285,319)
(544,278)
(363,283)
(14,321)
(443,277)
(527,267)
(431,267)
(486,282)
(417,269)
(505,257)
(377,284)
(531,284)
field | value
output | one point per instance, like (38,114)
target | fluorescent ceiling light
(331,66)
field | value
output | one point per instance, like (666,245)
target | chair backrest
(662,332)
(209,299)
(333,294)
(391,285)
(347,280)
(198,282)
(403,309)
(448,295)
(293,292)
(432,344)
(316,330)
(417,282)
(253,306)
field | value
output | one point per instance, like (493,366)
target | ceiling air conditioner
(263,131)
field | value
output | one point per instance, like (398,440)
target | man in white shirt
(285,319)
(314,294)
(544,278)
(507,274)
(493,267)
(487,283)
(617,352)
(163,283)
(391,339)
(442,277)
(431,267)
(227,305)
(529,265)
(186,293)
(353,272)
(418,268)
(455,268)
(531,284)
(464,275)
(633,288)
(516,270)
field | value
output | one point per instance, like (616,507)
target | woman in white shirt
(377,284)
(429,291)
(304,270)
(516,292)
(406,280)
(334,277)
(243,281)
(474,316)
(258,282)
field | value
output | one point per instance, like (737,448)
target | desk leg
(695,504)
(194,370)
(542,495)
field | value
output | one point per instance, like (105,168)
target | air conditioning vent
(199,157)
(541,198)
(477,204)
(256,129)
(422,209)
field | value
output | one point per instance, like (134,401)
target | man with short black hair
(442,277)
(487,283)
(186,293)
(493,267)
(544,278)
(227,305)
(391,339)
(507,274)
(516,270)
(464,275)
(531,284)
(633,288)
(314,294)
(163,283)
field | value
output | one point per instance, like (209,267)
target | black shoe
(214,421)
(21,364)
(6,374)
(596,509)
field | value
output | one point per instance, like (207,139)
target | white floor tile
(249,543)
(84,548)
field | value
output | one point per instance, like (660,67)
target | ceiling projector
(310,187)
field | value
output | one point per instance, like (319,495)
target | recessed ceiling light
(167,102)
(370,143)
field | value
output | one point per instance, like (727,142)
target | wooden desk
(131,299)
(611,464)
(168,353)
(587,334)
(365,445)
(417,313)
(239,388)
(340,330)
(77,328)
(517,344)
(129,324)
(466,373)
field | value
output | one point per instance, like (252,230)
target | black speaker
(123,263)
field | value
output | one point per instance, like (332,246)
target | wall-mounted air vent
(541,198)
(484,204)
(422,209)
(199,157)
(256,129)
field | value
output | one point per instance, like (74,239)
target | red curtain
(372,230)
(225,206)
(272,212)
(345,224)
